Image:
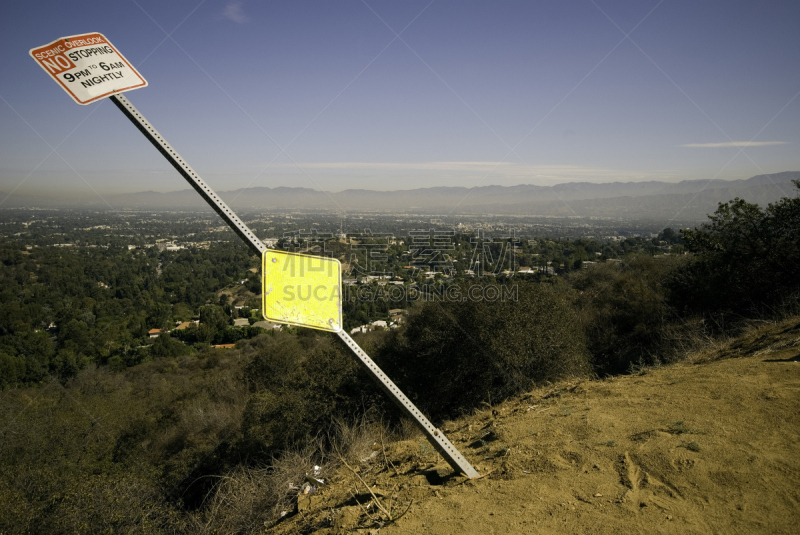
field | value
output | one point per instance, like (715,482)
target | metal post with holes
(188,173)
(435,437)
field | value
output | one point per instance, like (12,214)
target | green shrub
(300,386)
(454,354)
(624,312)
(166,346)
(746,261)
(116,364)
(12,370)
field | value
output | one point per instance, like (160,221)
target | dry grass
(250,499)
(357,441)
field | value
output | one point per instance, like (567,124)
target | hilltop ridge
(705,446)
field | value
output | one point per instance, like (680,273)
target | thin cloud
(505,172)
(734,144)
(398,166)
(233,11)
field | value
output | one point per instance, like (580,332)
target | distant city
(175,230)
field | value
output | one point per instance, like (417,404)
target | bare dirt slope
(711,445)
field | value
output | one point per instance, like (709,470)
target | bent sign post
(297,289)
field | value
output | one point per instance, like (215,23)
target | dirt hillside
(707,446)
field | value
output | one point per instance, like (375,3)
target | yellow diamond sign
(302,290)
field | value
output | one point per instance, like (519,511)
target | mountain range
(687,200)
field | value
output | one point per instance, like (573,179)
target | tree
(454,354)
(624,311)
(746,260)
(12,370)
(74,336)
(670,236)
(212,320)
(214,316)
(300,385)
(166,346)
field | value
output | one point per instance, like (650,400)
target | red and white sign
(88,67)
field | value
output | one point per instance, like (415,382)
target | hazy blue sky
(398,95)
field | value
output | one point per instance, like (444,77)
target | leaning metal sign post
(297,289)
